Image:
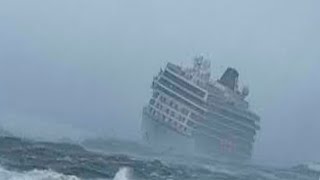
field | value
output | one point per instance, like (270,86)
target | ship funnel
(230,79)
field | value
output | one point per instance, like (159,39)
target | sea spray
(124,173)
(34,175)
(24,159)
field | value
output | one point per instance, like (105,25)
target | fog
(82,68)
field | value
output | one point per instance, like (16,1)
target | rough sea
(23,159)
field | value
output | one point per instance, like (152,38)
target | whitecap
(124,173)
(216,169)
(34,175)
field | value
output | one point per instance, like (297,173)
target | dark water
(26,159)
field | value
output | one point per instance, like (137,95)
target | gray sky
(75,67)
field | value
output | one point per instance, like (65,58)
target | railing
(178,97)
(184,83)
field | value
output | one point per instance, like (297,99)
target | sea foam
(34,175)
(124,173)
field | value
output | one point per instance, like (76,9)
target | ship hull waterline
(164,140)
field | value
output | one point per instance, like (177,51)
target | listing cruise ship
(189,112)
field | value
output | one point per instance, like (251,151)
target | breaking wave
(22,159)
(34,175)
(124,173)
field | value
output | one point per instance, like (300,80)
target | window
(171,104)
(152,101)
(172,113)
(176,107)
(183,119)
(155,95)
(184,111)
(163,99)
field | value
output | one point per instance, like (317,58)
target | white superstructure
(190,112)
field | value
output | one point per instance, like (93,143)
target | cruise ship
(190,112)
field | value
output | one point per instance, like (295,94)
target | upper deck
(207,98)
(189,102)
(214,92)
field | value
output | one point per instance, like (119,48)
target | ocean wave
(34,175)
(124,173)
(22,159)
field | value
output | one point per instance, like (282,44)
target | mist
(83,68)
